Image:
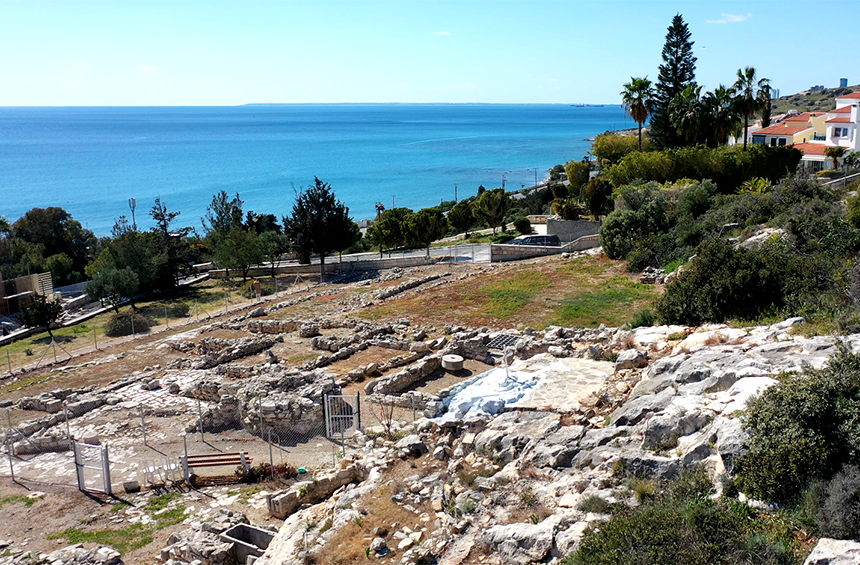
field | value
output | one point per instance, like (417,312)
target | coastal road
(470,252)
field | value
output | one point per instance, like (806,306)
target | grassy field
(585,292)
(206,298)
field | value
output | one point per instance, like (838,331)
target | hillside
(808,101)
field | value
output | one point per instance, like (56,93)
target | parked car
(547,240)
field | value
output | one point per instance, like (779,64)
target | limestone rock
(834,552)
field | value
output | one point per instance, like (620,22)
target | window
(840,132)
(782,141)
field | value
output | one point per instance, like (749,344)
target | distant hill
(808,101)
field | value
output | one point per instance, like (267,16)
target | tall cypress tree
(676,73)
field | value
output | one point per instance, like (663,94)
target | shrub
(180,309)
(123,323)
(577,173)
(642,318)
(610,148)
(803,429)
(523,225)
(721,282)
(594,503)
(683,526)
(839,515)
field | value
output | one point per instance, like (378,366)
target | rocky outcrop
(834,552)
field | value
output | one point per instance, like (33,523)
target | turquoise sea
(92,160)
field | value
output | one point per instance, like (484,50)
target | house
(793,129)
(839,130)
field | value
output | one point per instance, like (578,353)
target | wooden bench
(237,459)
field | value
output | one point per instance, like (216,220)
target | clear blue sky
(119,53)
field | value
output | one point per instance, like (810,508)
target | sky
(202,53)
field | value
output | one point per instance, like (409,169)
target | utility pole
(132,203)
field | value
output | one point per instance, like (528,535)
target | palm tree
(748,98)
(685,112)
(637,99)
(5,226)
(764,94)
(835,153)
(721,113)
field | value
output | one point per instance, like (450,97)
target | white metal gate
(342,412)
(92,466)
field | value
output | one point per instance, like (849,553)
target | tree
(425,226)
(113,285)
(492,207)
(835,153)
(41,313)
(174,255)
(676,73)
(598,196)
(748,97)
(387,232)
(462,217)
(261,223)
(637,99)
(765,92)
(55,229)
(578,172)
(685,112)
(239,250)
(274,245)
(720,114)
(380,208)
(222,214)
(319,222)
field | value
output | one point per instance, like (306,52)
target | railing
(842,182)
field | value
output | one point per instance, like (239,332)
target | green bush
(839,515)
(610,148)
(642,318)
(180,309)
(523,225)
(728,167)
(803,429)
(577,173)
(721,282)
(681,525)
(121,324)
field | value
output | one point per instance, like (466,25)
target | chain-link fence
(155,437)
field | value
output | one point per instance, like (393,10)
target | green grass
(27,501)
(611,304)
(133,536)
(123,540)
(508,296)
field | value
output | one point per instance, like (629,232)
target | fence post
(358,410)
(200,419)
(166,318)
(132,324)
(9,361)
(54,347)
(66,416)
(9,444)
(185,473)
(106,470)
(225,301)
(271,457)
(142,423)
(325,412)
(95,340)
(260,410)
(197,309)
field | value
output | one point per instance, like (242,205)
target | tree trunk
(322,267)
(640,136)
(746,130)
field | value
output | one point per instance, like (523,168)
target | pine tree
(676,73)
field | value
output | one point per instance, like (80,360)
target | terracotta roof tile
(842,110)
(782,129)
(839,121)
(804,117)
(854,95)
(811,148)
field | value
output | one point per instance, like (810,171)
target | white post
(325,412)
(106,470)
(200,419)
(54,346)
(9,445)
(95,340)
(142,423)
(66,416)
(166,318)
(185,472)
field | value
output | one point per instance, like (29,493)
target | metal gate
(92,466)
(342,412)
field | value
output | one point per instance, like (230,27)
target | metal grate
(502,341)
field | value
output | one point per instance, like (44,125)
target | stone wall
(571,230)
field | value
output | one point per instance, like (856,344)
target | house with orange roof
(835,128)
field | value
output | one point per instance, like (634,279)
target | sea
(93,160)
